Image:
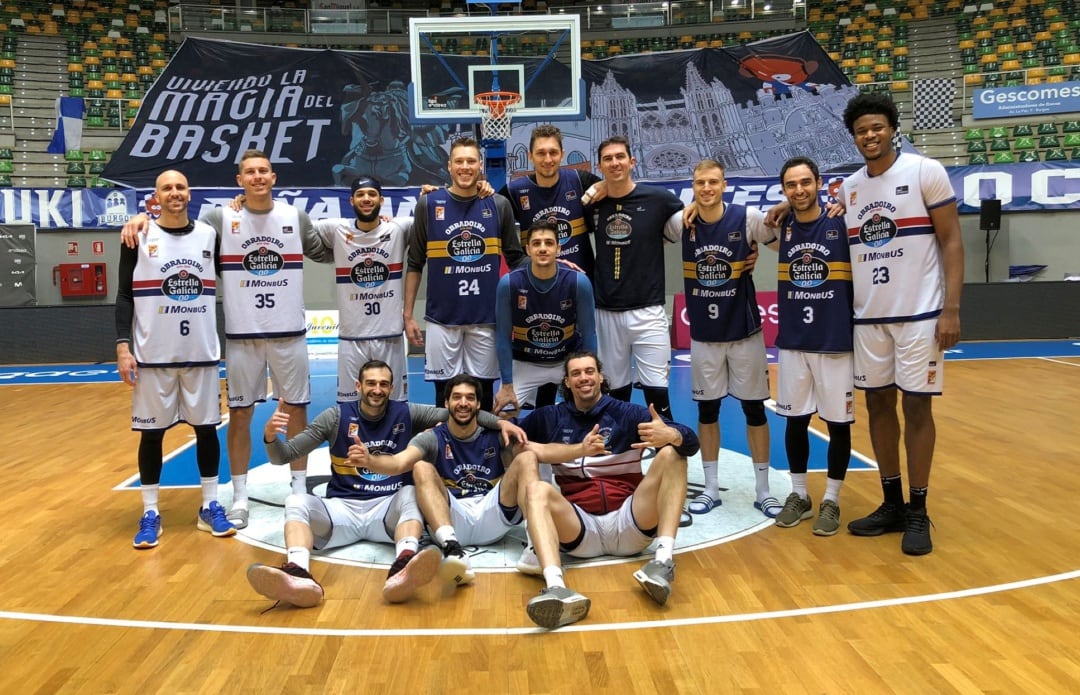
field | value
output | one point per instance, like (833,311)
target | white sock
(761,479)
(712,478)
(553,576)
(798,484)
(239,491)
(150,498)
(299,555)
(832,489)
(209,490)
(299,482)
(665,546)
(444,534)
(406,543)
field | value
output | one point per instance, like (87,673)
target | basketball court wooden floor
(769,610)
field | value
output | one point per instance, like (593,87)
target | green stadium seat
(976,146)
(1000,145)
(974,134)
(1022,129)
(1004,158)
(73,155)
(7,166)
(1024,142)
(76,182)
(6,153)
(5,181)
(1047,129)
(1056,155)
(1028,156)
(1072,140)
(1048,142)
(999,132)
(76,168)
(1072,127)
(979,158)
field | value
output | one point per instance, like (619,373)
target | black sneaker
(888,518)
(916,540)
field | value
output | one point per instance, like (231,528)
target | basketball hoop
(496,110)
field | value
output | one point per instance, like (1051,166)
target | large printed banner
(327,116)
(1020,187)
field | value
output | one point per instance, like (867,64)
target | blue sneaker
(149,530)
(213,519)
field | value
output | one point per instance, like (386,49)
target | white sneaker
(528,563)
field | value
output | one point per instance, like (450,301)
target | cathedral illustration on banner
(669,136)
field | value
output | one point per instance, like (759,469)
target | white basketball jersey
(895,258)
(174,287)
(262,266)
(368,276)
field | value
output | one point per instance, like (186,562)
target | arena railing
(595,17)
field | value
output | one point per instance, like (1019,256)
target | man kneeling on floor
(605,504)
(359,504)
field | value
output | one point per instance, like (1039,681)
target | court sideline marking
(604,627)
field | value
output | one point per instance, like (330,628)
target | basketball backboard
(455,58)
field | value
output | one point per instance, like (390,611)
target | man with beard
(359,504)
(466,491)
(369,256)
(171,359)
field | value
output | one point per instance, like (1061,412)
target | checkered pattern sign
(933,102)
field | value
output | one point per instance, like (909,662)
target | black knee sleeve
(797,443)
(487,394)
(440,392)
(657,396)
(755,413)
(207,450)
(708,412)
(150,443)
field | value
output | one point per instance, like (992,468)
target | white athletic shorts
(905,355)
(815,382)
(530,376)
(368,520)
(637,338)
(164,396)
(739,368)
(246,362)
(614,533)
(352,354)
(453,350)
(480,520)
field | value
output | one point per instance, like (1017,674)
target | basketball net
(496,110)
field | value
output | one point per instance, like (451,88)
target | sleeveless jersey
(813,287)
(463,255)
(896,263)
(174,287)
(469,468)
(545,323)
(721,301)
(262,265)
(561,206)
(629,235)
(370,291)
(389,435)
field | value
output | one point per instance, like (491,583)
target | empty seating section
(1023,142)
